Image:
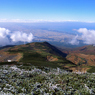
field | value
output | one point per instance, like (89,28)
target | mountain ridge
(36,53)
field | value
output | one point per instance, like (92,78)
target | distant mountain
(83,55)
(7,46)
(37,53)
(88,49)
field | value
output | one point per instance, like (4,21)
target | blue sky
(47,10)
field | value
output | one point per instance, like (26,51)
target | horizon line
(40,21)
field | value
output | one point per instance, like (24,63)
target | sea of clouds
(8,37)
(87,36)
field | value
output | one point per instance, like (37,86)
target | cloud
(74,41)
(3,32)
(8,37)
(3,36)
(87,36)
(20,36)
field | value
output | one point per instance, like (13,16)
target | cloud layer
(87,36)
(8,37)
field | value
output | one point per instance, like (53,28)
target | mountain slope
(89,49)
(38,53)
(84,55)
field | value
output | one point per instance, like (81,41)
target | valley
(84,56)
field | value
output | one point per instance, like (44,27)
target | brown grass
(51,58)
(78,57)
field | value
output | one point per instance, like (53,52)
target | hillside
(84,57)
(89,49)
(37,53)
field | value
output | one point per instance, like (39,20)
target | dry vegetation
(82,58)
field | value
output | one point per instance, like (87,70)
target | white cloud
(8,37)
(21,36)
(74,41)
(4,32)
(3,36)
(87,36)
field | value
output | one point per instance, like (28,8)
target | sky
(73,12)
(47,10)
